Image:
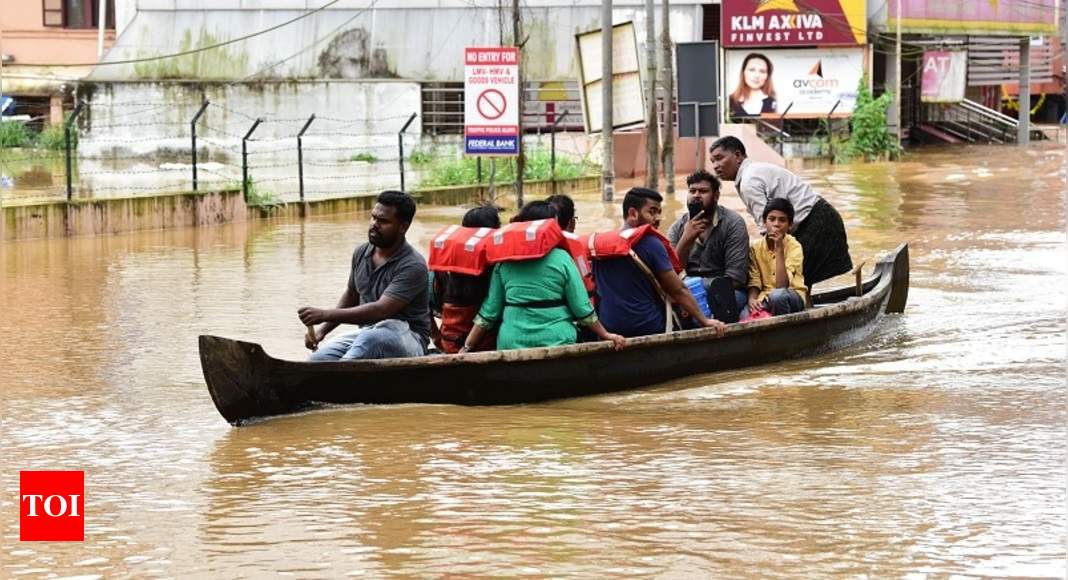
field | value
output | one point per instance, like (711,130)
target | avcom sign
(798,82)
(753,23)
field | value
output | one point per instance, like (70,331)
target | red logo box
(52,506)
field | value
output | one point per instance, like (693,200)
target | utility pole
(607,169)
(668,82)
(1,65)
(102,23)
(652,137)
(897,73)
(1064,59)
(1023,129)
(520,160)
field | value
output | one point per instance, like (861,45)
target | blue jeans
(387,339)
(784,301)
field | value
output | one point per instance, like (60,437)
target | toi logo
(51,506)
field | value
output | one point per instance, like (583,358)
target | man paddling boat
(386,295)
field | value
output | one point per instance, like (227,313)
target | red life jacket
(456,324)
(520,241)
(618,243)
(577,247)
(459,250)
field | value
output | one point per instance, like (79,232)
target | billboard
(628,95)
(944,73)
(697,64)
(801,82)
(753,23)
(975,17)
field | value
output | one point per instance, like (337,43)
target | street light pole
(652,137)
(607,170)
(520,160)
(668,83)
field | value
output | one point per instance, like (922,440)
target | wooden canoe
(246,383)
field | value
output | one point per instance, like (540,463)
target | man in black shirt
(386,295)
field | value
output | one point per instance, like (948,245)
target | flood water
(935,448)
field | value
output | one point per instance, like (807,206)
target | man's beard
(378,240)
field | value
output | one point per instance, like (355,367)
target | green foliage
(869,137)
(53,137)
(826,140)
(266,201)
(463,171)
(13,134)
(365,157)
(420,158)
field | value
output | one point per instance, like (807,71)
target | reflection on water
(934,448)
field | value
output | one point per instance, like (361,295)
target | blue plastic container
(697,288)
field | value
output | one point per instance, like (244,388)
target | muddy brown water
(934,448)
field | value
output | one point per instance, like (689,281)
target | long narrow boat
(247,383)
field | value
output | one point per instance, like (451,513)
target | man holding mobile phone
(712,242)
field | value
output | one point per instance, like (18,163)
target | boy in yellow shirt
(776,281)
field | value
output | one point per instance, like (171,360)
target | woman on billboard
(754,93)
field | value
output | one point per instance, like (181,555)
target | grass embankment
(442,172)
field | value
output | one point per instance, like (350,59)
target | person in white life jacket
(634,267)
(536,292)
(455,297)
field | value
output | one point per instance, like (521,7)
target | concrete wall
(630,159)
(111,216)
(121,117)
(81,218)
(152,120)
(421,40)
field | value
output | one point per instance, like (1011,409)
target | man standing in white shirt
(817,225)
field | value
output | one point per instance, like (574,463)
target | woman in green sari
(536,302)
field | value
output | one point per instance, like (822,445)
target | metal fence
(141,152)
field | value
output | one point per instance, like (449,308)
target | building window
(77,13)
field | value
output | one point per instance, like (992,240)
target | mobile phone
(694,207)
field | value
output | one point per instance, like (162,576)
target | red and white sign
(51,506)
(491,100)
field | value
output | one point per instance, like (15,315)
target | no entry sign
(491,101)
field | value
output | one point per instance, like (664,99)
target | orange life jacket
(520,241)
(577,247)
(459,250)
(619,243)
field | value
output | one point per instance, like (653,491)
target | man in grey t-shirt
(714,243)
(387,293)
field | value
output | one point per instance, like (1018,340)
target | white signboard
(628,96)
(807,82)
(943,76)
(491,100)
